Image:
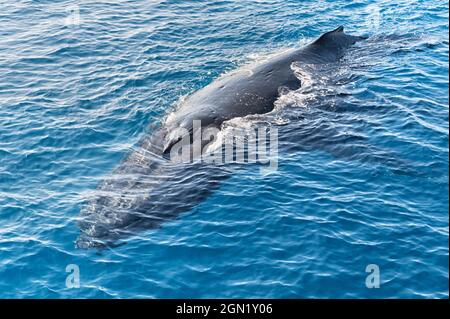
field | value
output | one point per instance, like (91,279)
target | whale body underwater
(146,189)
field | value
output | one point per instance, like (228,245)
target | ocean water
(82,81)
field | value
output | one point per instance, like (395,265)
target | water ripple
(75,99)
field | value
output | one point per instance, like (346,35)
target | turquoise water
(81,81)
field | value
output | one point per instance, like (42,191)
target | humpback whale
(253,90)
(147,189)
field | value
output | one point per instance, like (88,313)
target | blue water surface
(81,81)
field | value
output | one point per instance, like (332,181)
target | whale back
(330,46)
(337,39)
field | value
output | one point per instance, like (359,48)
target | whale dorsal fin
(338,29)
(326,36)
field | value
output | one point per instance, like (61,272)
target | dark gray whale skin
(254,90)
(146,189)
